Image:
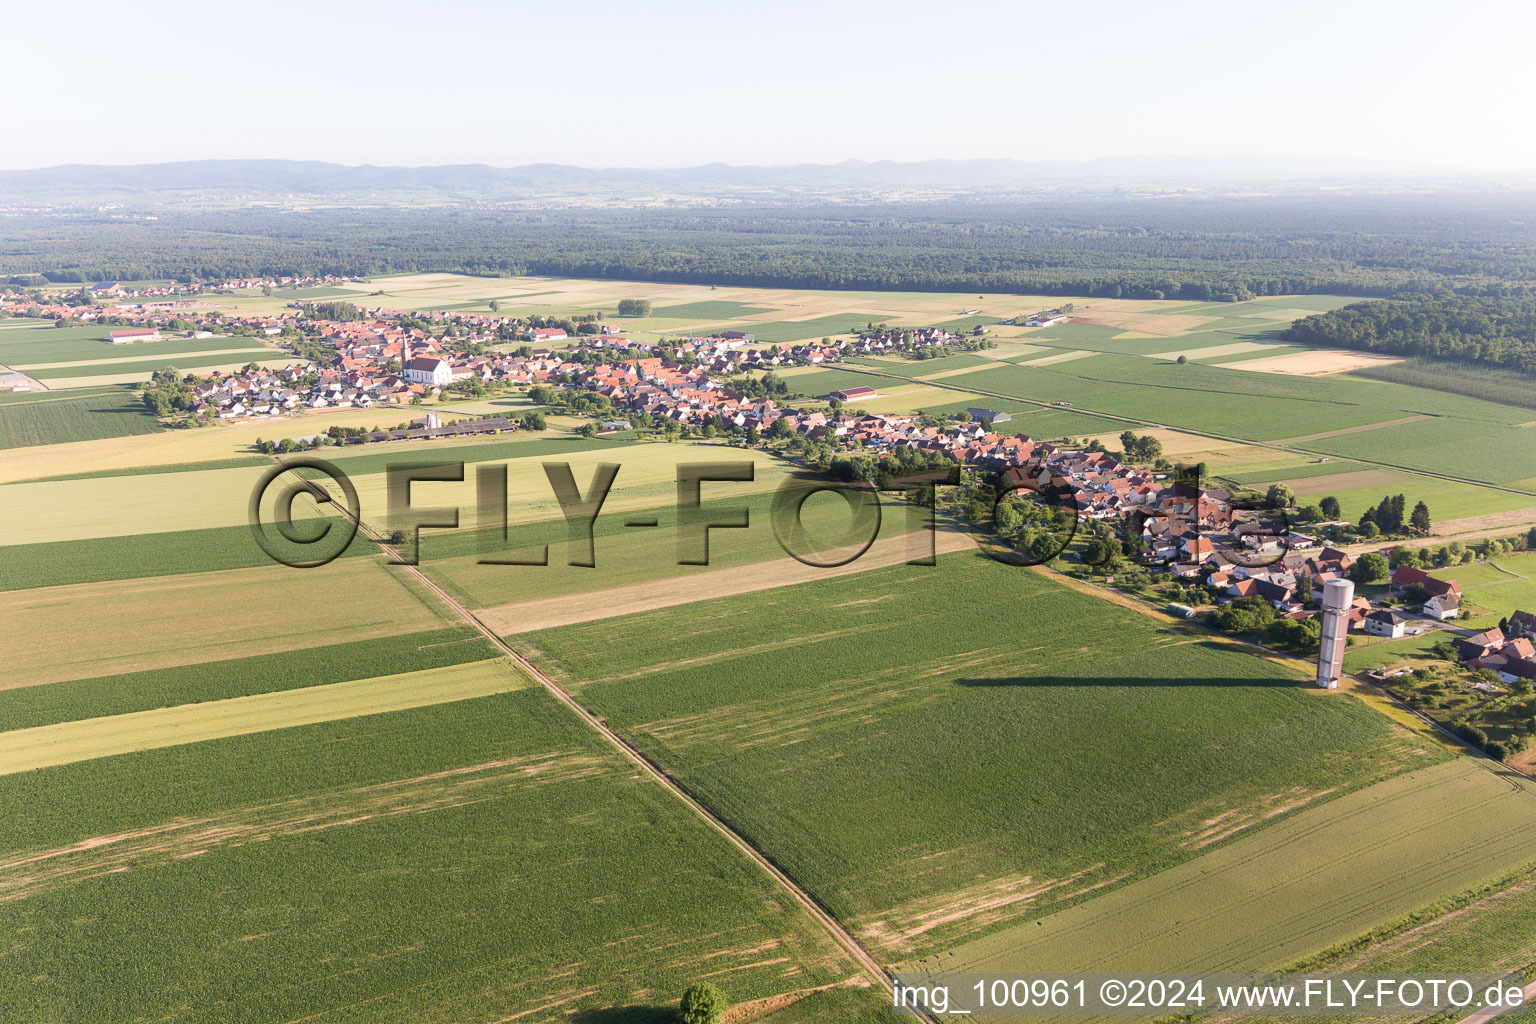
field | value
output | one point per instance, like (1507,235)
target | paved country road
(1483,1016)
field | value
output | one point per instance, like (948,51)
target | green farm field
(138,556)
(1363,489)
(1068,746)
(1495,589)
(628,556)
(139,369)
(1457,435)
(1490,930)
(27,707)
(142,624)
(783,331)
(235,462)
(707,310)
(1473,449)
(46,746)
(1294,889)
(917,368)
(817,382)
(42,419)
(647,478)
(483,859)
(93,505)
(1494,383)
(47,346)
(116,506)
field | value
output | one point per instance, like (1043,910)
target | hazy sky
(678,82)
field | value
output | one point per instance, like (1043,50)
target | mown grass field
(485,859)
(1294,889)
(1368,653)
(938,752)
(41,418)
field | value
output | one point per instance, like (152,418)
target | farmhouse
(1384,623)
(853,394)
(1443,606)
(1512,659)
(1479,645)
(1443,597)
(129,335)
(1522,624)
(988,416)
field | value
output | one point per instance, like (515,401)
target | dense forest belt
(1189,249)
(966,390)
(1491,331)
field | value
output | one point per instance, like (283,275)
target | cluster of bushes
(167,392)
(1479,739)
(1254,615)
(1144,448)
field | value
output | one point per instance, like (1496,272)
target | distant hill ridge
(320,177)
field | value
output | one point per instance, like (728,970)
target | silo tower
(1337,597)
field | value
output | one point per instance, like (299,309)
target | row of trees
(1388,517)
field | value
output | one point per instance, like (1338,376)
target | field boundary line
(829,924)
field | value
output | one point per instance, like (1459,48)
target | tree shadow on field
(627,1015)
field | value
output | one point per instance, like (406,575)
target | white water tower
(1338,595)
